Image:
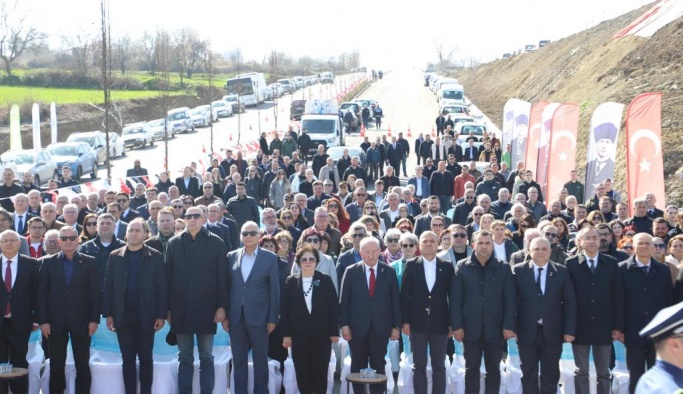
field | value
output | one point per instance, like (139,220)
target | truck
(321,122)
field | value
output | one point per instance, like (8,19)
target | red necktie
(372,282)
(8,285)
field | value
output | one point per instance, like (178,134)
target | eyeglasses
(660,246)
(392,240)
(333,206)
(550,235)
(208,187)
(68,237)
(249,233)
(460,235)
(178,207)
(361,195)
(437,224)
(9,241)
(477,214)
(121,201)
(91,224)
(192,216)
(187,202)
(358,236)
(327,185)
(370,208)
(469,197)
(627,247)
(287,217)
(307,260)
(312,240)
(408,245)
(289,198)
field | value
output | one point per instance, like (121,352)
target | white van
(452,94)
(321,122)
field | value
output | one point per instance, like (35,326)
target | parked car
(77,155)
(116,146)
(297,109)
(36,161)
(543,43)
(237,105)
(355,110)
(96,140)
(454,109)
(180,120)
(507,55)
(530,48)
(287,85)
(299,82)
(212,111)
(223,108)
(327,77)
(277,89)
(157,128)
(200,117)
(365,102)
(138,135)
(336,152)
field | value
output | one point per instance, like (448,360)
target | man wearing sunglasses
(69,309)
(253,280)
(127,213)
(356,234)
(557,254)
(208,197)
(606,245)
(459,249)
(423,222)
(464,209)
(197,281)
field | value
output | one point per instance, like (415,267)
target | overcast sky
(388,34)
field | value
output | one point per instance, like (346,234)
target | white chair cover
(289,377)
(69,371)
(274,376)
(620,377)
(346,369)
(456,372)
(35,357)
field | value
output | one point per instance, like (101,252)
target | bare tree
(17,34)
(81,47)
(444,55)
(149,48)
(235,58)
(123,51)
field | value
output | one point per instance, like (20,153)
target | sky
(388,34)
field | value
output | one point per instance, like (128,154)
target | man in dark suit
(188,185)
(198,296)
(137,170)
(546,316)
(485,311)
(471,152)
(127,213)
(423,222)
(456,150)
(649,290)
(599,294)
(357,231)
(370,310)
(69,309)
(602,166)
(135,304)
(21,216)
(165,223)
(355,209)
(441,185)
(20,274)
(394,154)
(253,308)
(426,289)
(418,141)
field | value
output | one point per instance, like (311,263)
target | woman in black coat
(309,319)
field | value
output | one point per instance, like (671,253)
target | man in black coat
(427,315)
(304,144)
(382,147)
(441,185)
(649,290)
(394,150)
(405,152)
(464,209)
(484,314)
(137,170)
(135,304)
(546,317)
(456,150)
(8,189)
(20,274)
(370,310)
(69,309)
(440,124)
(426,149)
(418,142)
(188,185)
(599,294)
(197,280)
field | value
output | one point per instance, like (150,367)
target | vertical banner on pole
(644,161)
(602,144)
(53,122)
(36,126)
(544,146)
(516,128)
(15,128)
(533,142)
(562,159)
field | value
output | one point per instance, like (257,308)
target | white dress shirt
(418,186)
(430,272)
(306,284)
(13,267)
(247,263)
(588,259)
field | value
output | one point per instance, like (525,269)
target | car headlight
(331,140)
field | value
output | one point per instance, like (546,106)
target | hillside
(589,68)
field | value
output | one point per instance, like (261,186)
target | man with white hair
(321,222)
(48,211)
(390,214)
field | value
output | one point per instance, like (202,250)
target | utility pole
(276,99)
(106,76)
(209,69)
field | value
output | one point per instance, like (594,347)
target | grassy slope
(21,94)
(589,68)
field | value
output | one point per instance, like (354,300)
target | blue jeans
(186,363)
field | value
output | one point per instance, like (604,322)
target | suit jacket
(25,292)
(121,232)
(259,293)
(152,277)
(385,216)
(344,261)
(425,186)
(223,232)
(69,307)
(192,189)
(556,306)
(427,312)
(499,310)
(27,217)
(424,222)
(197,280)
(456,150)
(358,311)
(295,319)
(129,216)
(599,298)
(394,154)
(646,296)
(474,154)
(352,210)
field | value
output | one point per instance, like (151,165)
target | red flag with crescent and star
(644,161)
(533,142)
(562,157)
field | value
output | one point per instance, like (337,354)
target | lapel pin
(551,274)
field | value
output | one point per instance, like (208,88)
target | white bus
(250,87)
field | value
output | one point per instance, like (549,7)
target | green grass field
(21,94)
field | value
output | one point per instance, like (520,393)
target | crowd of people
(283,255)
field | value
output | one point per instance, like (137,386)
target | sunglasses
(358,236)
(287,217)
(477,214)
(249,233)
(660,246)
(361,195)
(187,202)
(178,207)
(312,240)
(469,197)
(408,245)
(392,240)
(406,229)
(208,187)
(333,206)
(307,260)
(68,237)
(91,224)
(370,208)
(460,235)
(437,224)
(550,235)
(627,247)
(121,201)
(192,216)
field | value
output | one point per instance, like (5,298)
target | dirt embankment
(589,68)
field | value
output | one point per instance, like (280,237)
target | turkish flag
(533,140)
(123,187)
(562,158)
(644,161)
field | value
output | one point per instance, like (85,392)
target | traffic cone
(362,130)
(249,126)
(409,133)
(230,136)
(266,118)
(433,132)
(203,148)
(389,131)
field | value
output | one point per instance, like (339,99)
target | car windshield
(197,112)
(19,158)
(336,154)
(89,140)
(231,98)
(63,150)
(319,126)
(177,116)
(453,94)
(133,130)
(156,123)
(454,110)
(476,130)
(218,104)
